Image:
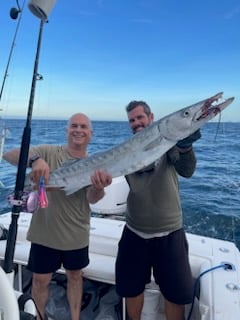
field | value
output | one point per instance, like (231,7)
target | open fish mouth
(211,108)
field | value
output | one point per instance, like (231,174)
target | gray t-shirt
(153,204)
(65,223)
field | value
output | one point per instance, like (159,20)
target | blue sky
(97,55)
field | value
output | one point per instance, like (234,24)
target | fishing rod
(14,12)
(41,9)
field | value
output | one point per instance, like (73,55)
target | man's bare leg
(40,291)
(134,307)
(174,311)
(74,292)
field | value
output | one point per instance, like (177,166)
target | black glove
(187,142)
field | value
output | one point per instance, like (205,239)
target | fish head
(184,122)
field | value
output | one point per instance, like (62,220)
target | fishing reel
(15,11)
(31,201)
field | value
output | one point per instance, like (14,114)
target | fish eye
(186,113)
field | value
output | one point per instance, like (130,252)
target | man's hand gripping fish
(141,149)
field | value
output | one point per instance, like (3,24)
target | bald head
(82,117)
(79,131)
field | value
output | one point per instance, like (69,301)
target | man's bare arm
(12,156)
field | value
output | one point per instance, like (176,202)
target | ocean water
(210,199)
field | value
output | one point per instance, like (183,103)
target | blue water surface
(210,199)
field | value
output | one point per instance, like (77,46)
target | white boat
(215,263)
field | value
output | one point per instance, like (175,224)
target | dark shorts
(47,260)
(166,257)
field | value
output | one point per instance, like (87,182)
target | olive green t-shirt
(65,223)
(153,203)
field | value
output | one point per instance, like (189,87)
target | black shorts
(47,260)
(166,257)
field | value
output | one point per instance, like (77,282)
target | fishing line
(13,14)
(218,126)
(227,177)
(224,160)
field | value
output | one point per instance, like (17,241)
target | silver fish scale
(142,149)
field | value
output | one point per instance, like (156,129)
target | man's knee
(74,275)
(41,280)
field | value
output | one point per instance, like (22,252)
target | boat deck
(219,289)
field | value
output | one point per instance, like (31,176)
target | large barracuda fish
(142,149)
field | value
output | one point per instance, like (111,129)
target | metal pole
(22,166)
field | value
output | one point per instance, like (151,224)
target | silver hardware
(232,286)
(229,266)
(225,250)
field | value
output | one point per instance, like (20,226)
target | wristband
(32,159)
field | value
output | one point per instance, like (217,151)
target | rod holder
(41,8)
